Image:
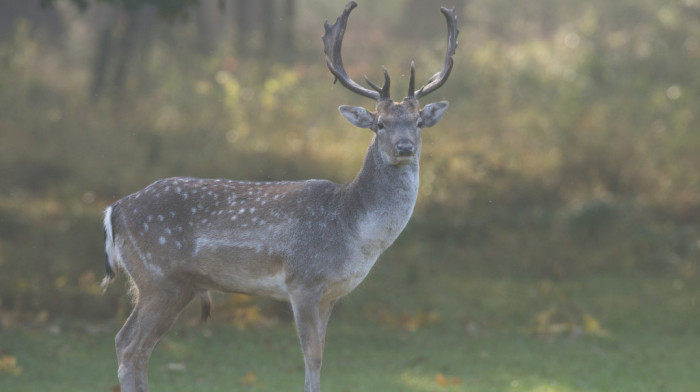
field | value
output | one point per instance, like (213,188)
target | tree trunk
(286,30)
(208,26)
(106,18)
(243,26)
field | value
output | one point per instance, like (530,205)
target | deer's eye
(380,125)
(419,124)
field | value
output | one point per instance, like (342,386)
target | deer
(305,242)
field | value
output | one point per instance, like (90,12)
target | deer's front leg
(325,314)
(311,317)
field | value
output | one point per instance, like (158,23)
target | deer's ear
(358,116)
(432,113)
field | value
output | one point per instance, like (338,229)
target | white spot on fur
(155,269)
(161,240)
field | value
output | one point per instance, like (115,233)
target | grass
(412,326)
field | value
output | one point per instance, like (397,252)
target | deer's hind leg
(157,308)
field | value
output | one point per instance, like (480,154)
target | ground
(432,332)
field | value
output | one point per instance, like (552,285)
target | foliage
(568,149)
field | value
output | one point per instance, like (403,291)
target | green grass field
(412,326)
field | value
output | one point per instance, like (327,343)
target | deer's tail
(111,252)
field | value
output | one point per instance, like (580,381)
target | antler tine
(384,93)
(332,42)
(439,79)
(412,81)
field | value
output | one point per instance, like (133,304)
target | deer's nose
(404,148)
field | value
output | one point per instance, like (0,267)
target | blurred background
(570,152)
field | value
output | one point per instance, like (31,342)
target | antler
(440,78)
(332,42)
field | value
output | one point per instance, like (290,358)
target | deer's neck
(383,199)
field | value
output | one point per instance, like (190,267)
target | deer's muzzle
(404,148)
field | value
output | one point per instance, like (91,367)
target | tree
(169,9)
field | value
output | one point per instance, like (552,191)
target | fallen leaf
(592,326)
(8,364)
(249,379)
(555,321)
(443,381)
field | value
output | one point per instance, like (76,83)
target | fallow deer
(307,242)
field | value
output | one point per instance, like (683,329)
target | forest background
(571,148)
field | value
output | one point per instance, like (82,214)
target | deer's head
(397,125)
